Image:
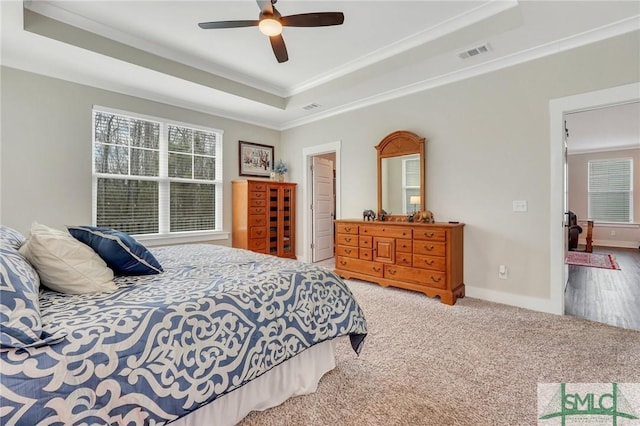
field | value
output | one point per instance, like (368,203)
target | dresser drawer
(430,234)
(254,195)
(428,247)
(386,231)
(435,263)
(347,240)
(258,187)
(258,203)
(358,265)
(420,276)
(258,232)
(346,228)
(348,251)
(403,245)
(258,245)
(258,210)
(403,259)
(365,253)
(366,242)
(257,220)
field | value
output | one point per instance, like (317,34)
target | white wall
(487,145)
(46,147)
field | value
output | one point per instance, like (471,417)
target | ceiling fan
(271,22)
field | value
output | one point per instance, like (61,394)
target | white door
(322,210)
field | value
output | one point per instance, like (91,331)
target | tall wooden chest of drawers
(421,257)
(264,217)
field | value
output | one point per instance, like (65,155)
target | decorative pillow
(122,252)
(64,263)
(11,237)
(20,323)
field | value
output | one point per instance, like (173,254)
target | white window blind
(611,190)
(155,177)
(410,182)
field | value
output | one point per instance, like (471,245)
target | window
(611,190)
(410,182)
(151,176)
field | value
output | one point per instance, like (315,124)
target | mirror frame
(399,143)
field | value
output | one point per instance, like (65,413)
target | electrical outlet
(613,233)
(503,273)
(520,206)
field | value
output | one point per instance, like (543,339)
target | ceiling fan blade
(228,24)
(279,48)
(321,19)
(265,6)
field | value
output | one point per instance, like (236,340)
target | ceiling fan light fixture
(270,27)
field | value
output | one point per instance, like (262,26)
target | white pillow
(64,263)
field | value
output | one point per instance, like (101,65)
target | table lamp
(414,200)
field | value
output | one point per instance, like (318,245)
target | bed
(218,333)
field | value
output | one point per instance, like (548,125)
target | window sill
(154,240)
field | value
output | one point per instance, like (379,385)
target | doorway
(328,151)
(604,137)
(558,109)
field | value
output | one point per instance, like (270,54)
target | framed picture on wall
(255,159)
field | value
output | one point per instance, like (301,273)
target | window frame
(405,188)
(165,236)
(589,191)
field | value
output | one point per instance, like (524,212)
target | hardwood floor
(604,295)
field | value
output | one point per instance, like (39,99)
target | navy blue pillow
(121,252)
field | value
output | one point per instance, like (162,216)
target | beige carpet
(475,363)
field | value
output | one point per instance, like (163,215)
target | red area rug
(593,260)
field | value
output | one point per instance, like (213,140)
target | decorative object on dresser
(424,217)
(420,257)
(264,217)
(368,215)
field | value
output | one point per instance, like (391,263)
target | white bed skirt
(298,376)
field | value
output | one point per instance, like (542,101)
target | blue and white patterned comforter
(164,345)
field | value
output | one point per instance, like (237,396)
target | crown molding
(621,27)
(443,28)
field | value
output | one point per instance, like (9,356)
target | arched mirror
(401,174)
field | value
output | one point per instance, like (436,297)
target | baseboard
(612,243)
(526,302)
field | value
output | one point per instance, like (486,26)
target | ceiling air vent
(310,107)
(478,50)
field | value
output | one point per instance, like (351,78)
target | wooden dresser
(421,257)
(264,217)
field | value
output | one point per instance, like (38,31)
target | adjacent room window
(153,176)
(611,190)
(410,182)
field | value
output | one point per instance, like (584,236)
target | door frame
(557,110)
(307,155)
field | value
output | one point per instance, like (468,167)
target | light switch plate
(519,205)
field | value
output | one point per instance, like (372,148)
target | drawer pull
(428,248)
(348,239)
(391,271)
(404,233)
(429,234)
(376,269)
(348,251)
(347,229)
(343,263)
(259,232)
(429,261)
(436,280)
